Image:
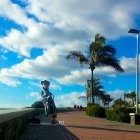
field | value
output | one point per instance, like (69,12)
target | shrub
(37,104)
(120,103)
(95,110)
(137,119)
(120,114)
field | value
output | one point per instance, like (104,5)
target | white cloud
(75,76)
(118,93)
(69,22)
(35,84)
(9,80)
(17,14)
(69,100)
(116,16)
(52,85)
(129,64)
(68,27)
(55,86)
(4,50)
(56,67)
(35,95)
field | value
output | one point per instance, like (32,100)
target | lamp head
(134,31)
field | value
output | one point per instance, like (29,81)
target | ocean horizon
(7,108)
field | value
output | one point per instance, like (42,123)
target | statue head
(45,83)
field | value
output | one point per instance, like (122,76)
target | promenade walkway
(78,126)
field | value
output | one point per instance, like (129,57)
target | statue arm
(52,95)
(41,93)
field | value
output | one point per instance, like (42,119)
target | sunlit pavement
(78,126)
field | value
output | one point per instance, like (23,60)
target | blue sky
(35,37)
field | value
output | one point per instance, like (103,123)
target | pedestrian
(81,108)
(75,107)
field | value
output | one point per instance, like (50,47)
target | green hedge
(95,110)
(120,114)
(137,119)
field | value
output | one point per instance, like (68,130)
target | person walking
(74,107)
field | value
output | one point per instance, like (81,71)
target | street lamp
(135,31)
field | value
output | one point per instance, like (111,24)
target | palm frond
(108,49)
(79,56)
(99,39)
(108,60)
(73,55)
(97,43)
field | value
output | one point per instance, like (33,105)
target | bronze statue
(47,98)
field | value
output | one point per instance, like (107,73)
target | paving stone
(78,126)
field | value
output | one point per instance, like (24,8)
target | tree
(99,54)
(97,89)
(106,99)
(132,96)
(119,103)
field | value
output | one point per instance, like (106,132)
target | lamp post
(135,31)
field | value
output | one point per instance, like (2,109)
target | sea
(7,108)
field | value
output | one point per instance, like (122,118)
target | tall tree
(106,99)
(99,54)
(97,88)
(132,96)
(119,103)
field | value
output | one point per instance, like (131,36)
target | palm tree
(106,99)
(119,103)
(88,90)
(97,88)
(132,96)
(99,54)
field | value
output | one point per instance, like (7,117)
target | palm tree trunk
(132,102)
(124,99)
(92,94)
(92,97)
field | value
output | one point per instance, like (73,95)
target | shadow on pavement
(67,134)
(100,128)
(48,132)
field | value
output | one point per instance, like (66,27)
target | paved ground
(77,126)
